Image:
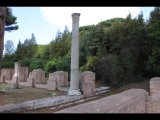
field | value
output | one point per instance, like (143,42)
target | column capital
(76,14)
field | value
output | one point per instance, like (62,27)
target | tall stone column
(74,82)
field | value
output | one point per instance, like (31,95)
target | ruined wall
(8,73)
(130,101)
(38,77)
(153,101)
(23,74)
(57,79)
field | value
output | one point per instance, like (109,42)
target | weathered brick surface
(130,101)
(153,105)
(155,87)
(52,85)
(8,73)
(87,83)
(30,82)
(57,79)
(153,102)
(23,74)
(65,78)
(38,75)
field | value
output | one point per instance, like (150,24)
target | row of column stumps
(74,82)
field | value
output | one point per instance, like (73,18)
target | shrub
(90,65)
(25,62)
(36,64)
(7,64)
(109,71)
(50,66)
(63,64)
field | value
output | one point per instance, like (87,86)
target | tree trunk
(2,30)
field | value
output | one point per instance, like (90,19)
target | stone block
(38,75)
(87,90)
(52,85)
(30,82)
(8,73)
(87,83)
(155,87)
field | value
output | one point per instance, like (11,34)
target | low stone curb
(40,103)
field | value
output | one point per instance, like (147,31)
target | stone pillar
(15,78)
(16,65)
(74,82)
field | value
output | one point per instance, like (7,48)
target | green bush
(90,65)
(7,64)
(37,64)
(109,71)
(50,67)
(25,62)
(63,64)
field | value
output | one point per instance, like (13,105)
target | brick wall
(130,101)
(153,101)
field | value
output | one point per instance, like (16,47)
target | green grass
(23,94)
(28,93)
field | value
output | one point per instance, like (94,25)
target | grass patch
(23,94)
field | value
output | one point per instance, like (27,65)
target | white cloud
(61,16)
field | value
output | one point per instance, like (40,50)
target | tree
(33,39)
(29,48)
(6,19)
(10,21)
(18,52)
(9,47)
(2,29)
(153,42)
(61,45)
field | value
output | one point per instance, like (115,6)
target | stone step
(100,92)
(102,89)
(66,89)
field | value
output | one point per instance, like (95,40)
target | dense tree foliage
(118,50)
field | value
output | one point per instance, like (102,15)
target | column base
(74,92)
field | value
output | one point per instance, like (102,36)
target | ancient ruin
(87,83)
(81,85)
(37,75)
(74,82)
(6,74)
(57,79)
